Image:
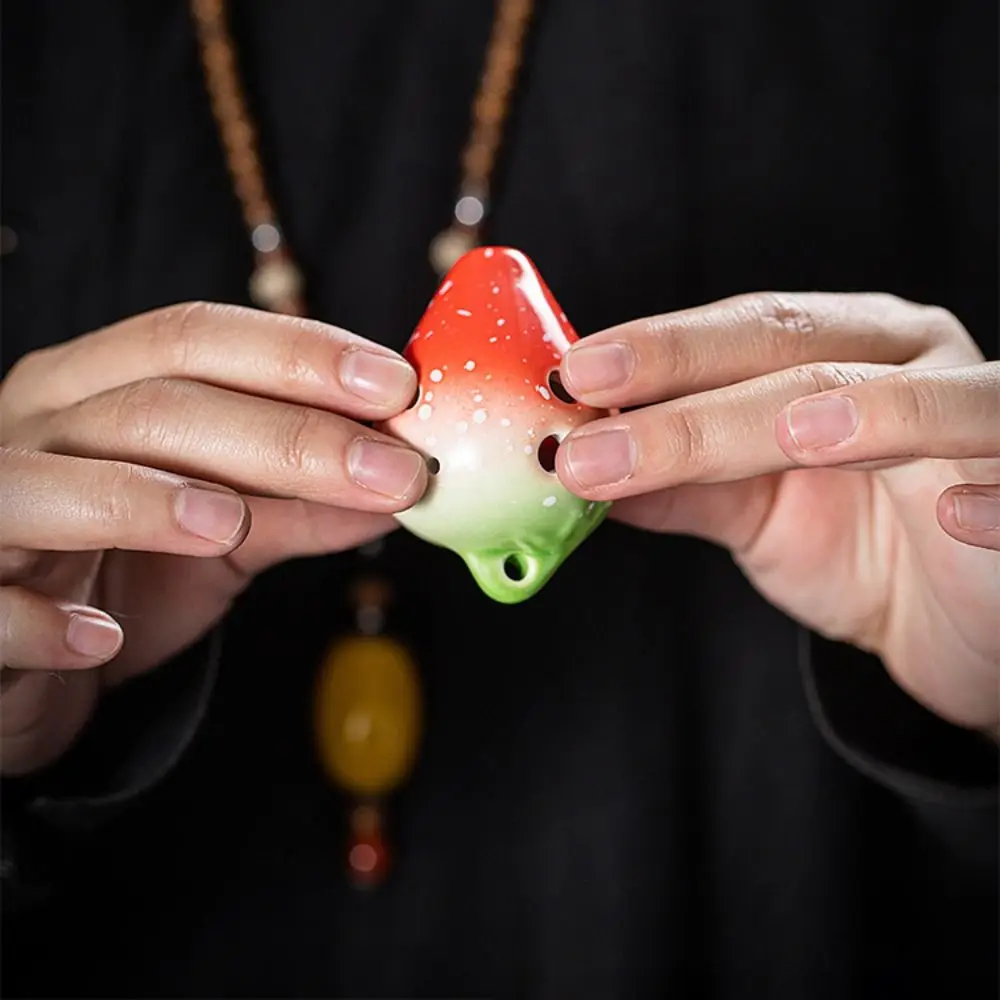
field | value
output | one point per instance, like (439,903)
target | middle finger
(257,446)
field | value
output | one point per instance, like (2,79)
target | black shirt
(676,793)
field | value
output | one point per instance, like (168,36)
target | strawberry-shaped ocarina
(489,417)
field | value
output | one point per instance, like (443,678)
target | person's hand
(150,469)
(844,448)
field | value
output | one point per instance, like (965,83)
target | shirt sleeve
(136,737)
(882,732)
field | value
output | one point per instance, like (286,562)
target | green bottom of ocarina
(513,573)
(515,569)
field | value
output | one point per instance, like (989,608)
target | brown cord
(276,283)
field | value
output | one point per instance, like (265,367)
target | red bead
(368,860)
(367,856)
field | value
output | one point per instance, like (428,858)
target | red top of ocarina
(489,417)
(493,320)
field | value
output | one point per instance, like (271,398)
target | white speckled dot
(470,365)
(463,312)
(493,340)
(477,397)
(436,375)
(428,396)
(528,449)
(425,412)
(505,422)
(501,321)
(488,252)
(479,416)
(549,502)
(496,289)
(445,287)
(543,392)
(461,427)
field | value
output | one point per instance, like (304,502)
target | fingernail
(599,367)
(820,423)
(601,459)
(384,468)
(977,511)
(210,514)
(377,378)
(92,635)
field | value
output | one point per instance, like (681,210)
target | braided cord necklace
(367,709)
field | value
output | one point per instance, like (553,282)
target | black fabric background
(628,801)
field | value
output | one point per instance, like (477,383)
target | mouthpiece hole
(514,568)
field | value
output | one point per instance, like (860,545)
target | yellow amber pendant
(367,714)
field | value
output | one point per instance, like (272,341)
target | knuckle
(822,376)
(782,312)
(173,331)
(293,364)
(941,324)
(109,498)
(684,357)
(24,369)
(139,408)
(689,446)
(918,401)
(298,442)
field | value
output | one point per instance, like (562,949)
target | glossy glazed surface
(489,417)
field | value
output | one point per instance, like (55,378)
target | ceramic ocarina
(489,417)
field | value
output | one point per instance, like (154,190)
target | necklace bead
(275,282)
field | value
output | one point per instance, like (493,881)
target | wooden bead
(448,246)
(275,282)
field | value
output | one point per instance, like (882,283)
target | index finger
(286,358)
(740,338)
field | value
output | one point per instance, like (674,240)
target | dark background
(622,792)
